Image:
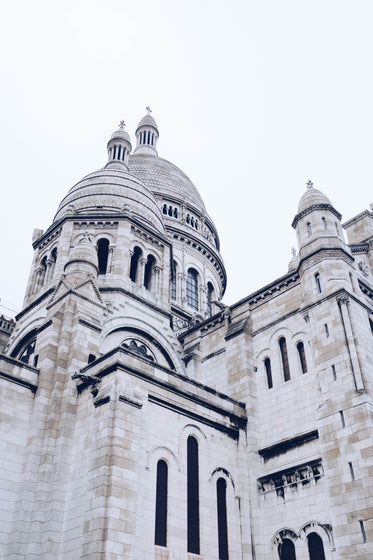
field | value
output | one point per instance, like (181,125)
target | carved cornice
(316,207)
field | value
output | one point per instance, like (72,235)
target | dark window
(267,365)
(192,288)
(352,473)
(193,496)
(28,354)
(315,547)
(91,358)
(286,550)
(173,280)
(302,357)
(318,282)
(148,271)
(160,537)
(164,209)
(221,494)
(363,533)
(309,228)
(102,254)
(210,294)
(324,224)
(134,263)
(284,359)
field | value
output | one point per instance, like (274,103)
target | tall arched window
(160,535)
(173,280)
(221,496)
(324,224)
(192,288)
(43,271)
(315,547)
(284,358)
(209,298)
(309,228)
(193,496)
(302,357)
(286,550)
(134,263)
(267,365)
(148,271)
(318,282)
(102,255)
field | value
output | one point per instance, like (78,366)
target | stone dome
(164,178)
(148,120)
(312,197)
(110,191)
(120,134)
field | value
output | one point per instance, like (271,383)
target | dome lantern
(119,148)
(147,136)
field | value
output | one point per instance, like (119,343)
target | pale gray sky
(252,99)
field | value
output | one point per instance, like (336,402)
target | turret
(119,148)
(147,136)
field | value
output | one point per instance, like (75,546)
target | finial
(122,124)
(309,184)
(148,109)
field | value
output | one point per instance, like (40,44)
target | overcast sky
(252,99)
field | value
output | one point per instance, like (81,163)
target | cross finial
(309,184)
(122,124)
(148,109)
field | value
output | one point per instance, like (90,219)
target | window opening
(318,282)
(334,373)
(175,212)
(267,365)
(148,137)
(91,358)
(315,547)
(302,357)
(160,536)
(173,280)
(102,254)
(165,209)
(119,152)
(286,550)
(210,297)
(362,529)
(324,224)
(170,210)
(134,263)
(193,496)
(342,416)
(309,228)
(351,471)
(284,359)
(192,288)
(221,496)
(148,271)
(326,330)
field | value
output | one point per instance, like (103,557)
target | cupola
(147,136)
(119,148)
(317,223)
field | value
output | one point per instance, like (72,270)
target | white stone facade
(124,361)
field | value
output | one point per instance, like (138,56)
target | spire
(119,147)
(147,135)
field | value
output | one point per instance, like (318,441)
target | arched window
(286,550)
(43,271)
(102,255)
(148,271)
(267,365)
(134,263)
(209,298)
(54,260)
(302,357)
(318,282)
(284,359)
(324,224)
(160,536)
(192,288)
(173,280)
(164,209)
(221,497)
(193,496)
(315,547)
(309,228)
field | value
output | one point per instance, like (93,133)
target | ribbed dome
(164,178)
(109,191)
(312,197)
(147,121)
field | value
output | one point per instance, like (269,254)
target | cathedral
(142,418)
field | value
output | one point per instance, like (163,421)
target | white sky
(252,99)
